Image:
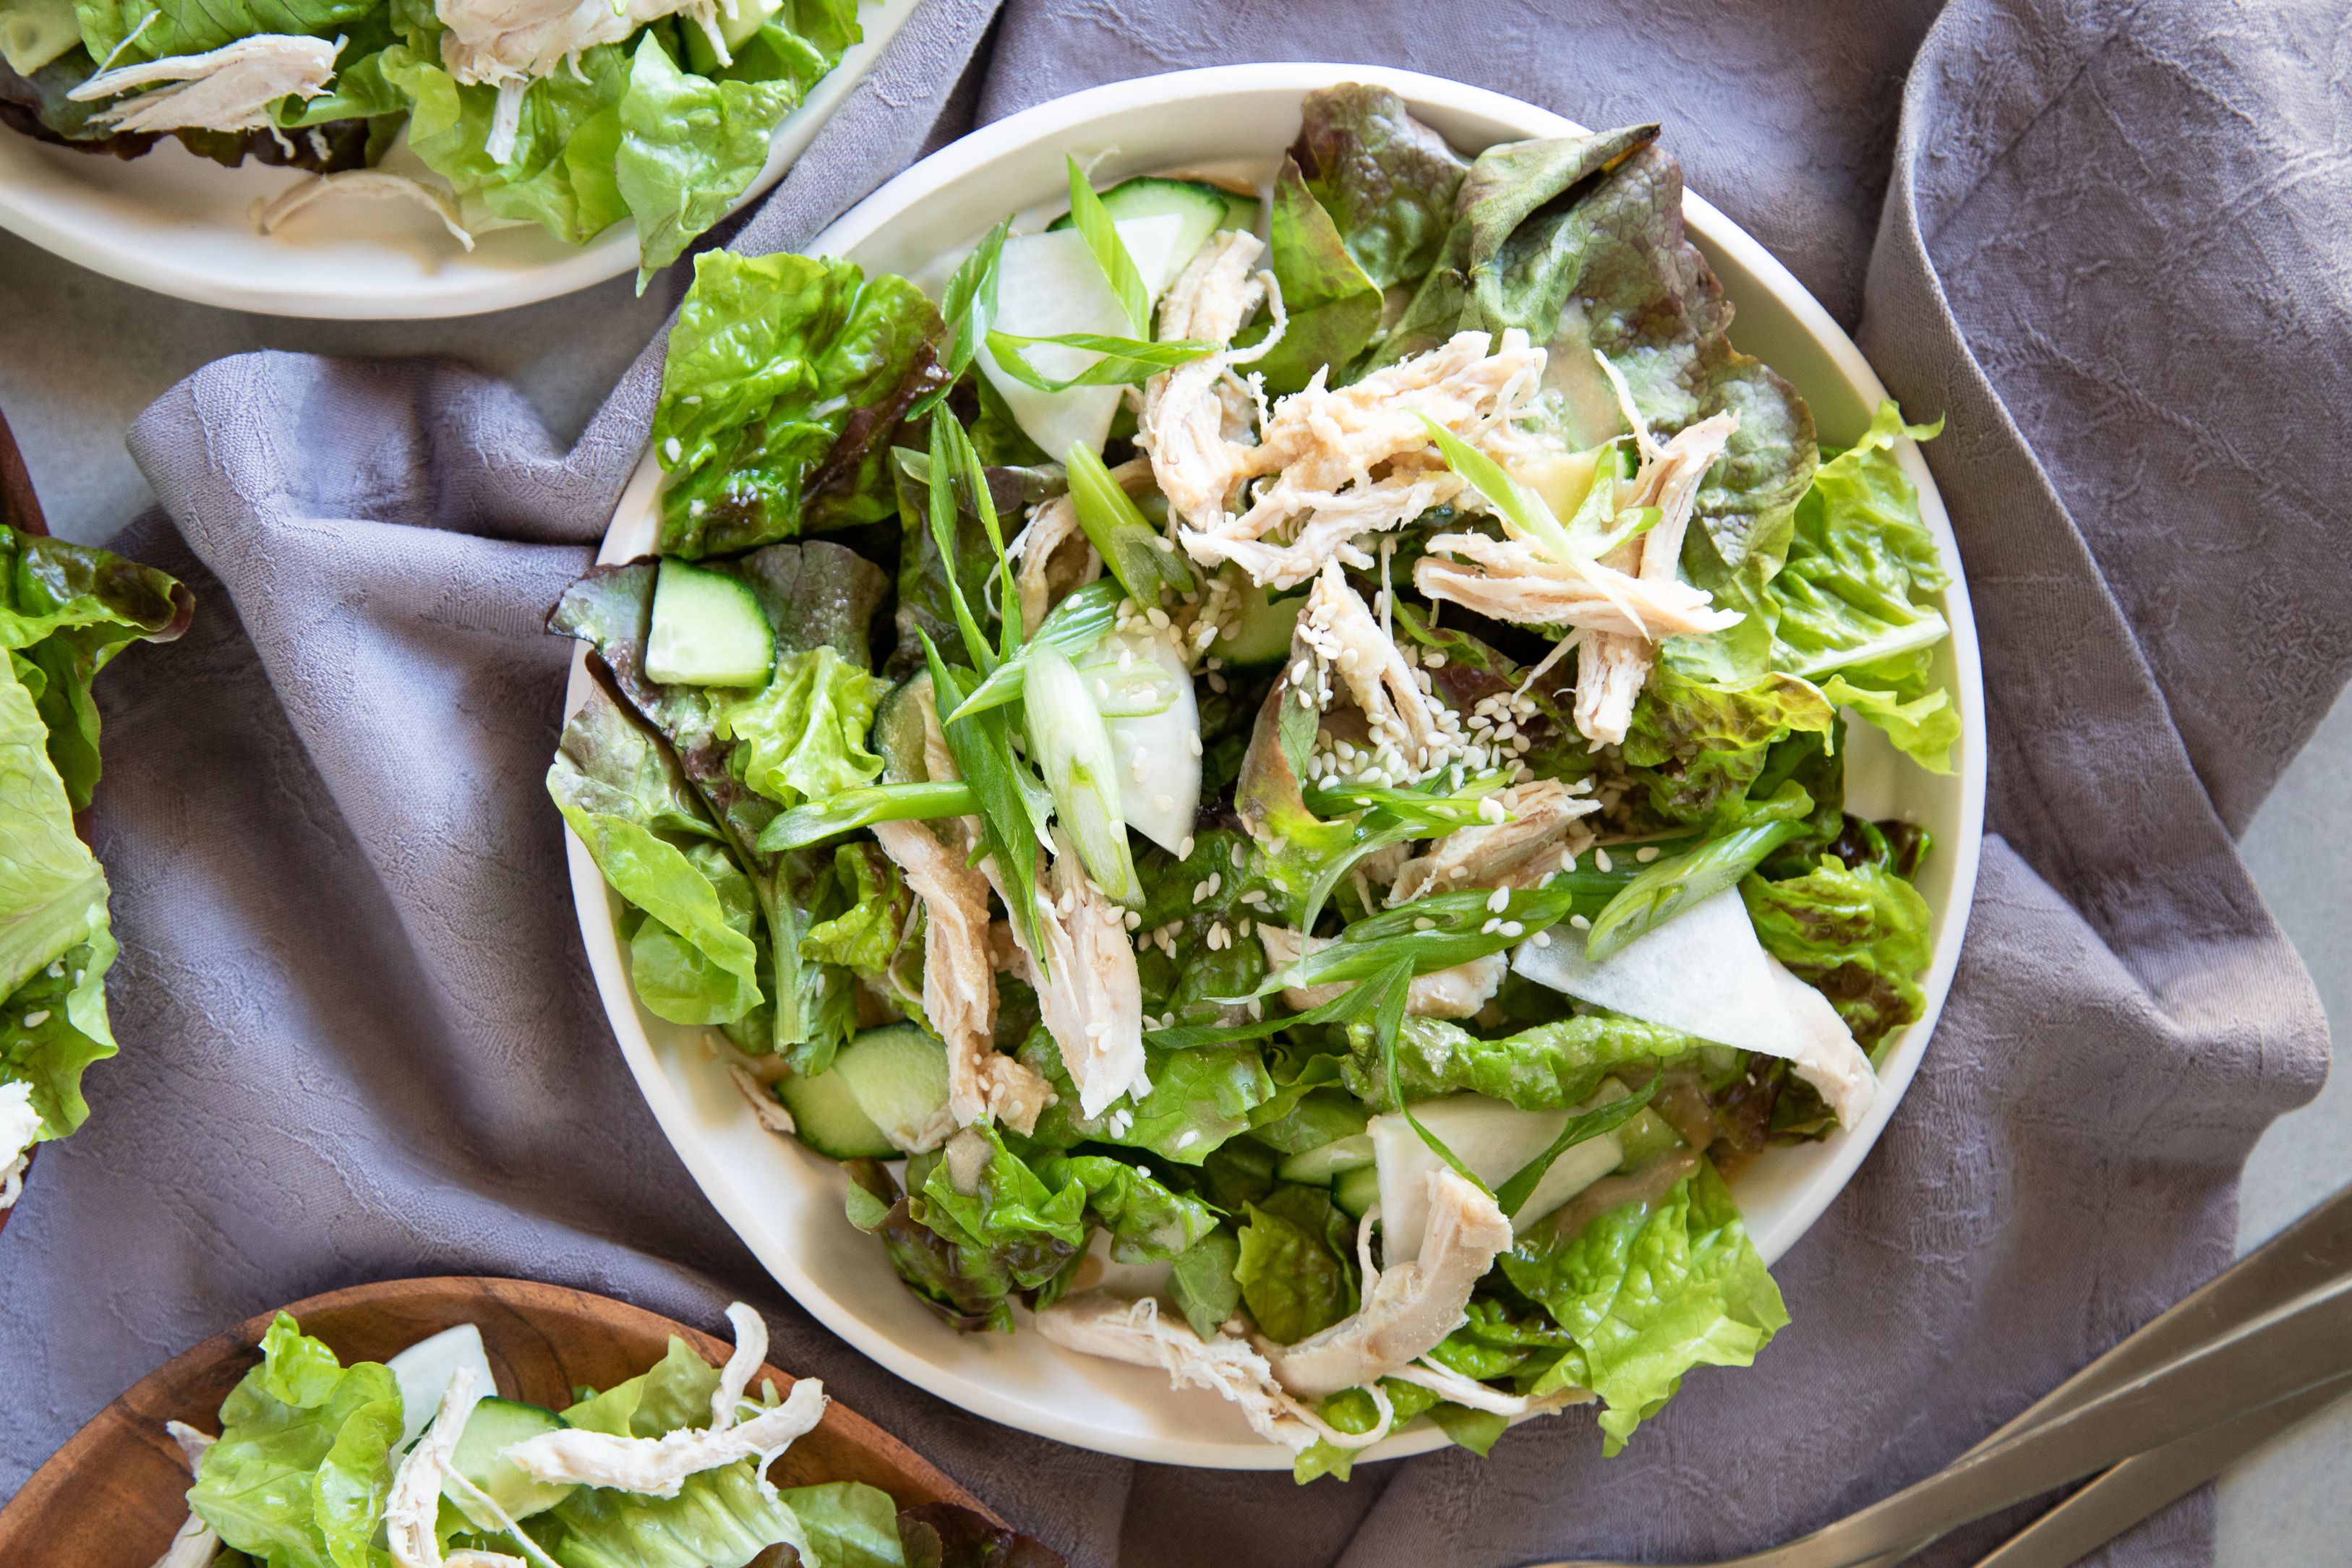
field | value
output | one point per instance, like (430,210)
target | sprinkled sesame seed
(672,450)
(1161,802)
(1490,929)
(1134,921)
(35,1020)
(1541,939)
(1238,856)
(1457,871)
(1192,744)
(1580,922)
(1512,928)
(1600,859)
(1499,900)
(1185,849)
(1423,923)
(1646,853)
(1102,688)
(1158,617)
(1216,683)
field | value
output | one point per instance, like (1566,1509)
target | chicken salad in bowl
(1337,854)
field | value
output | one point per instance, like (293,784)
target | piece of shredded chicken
(1194,417)
(1545,825)
(766,1108)
(1448,1383)
(229,89)
(1052,555)
(500,41)
(372,184)
(1455,993)
(413,1503)
(1407,1309)
(196,1543)
(1611,667)
(658,1466)
(960,984)
(1337,628)
(1088,993)
(743,1363)
(1345,462)
(20,1129)
(1095,1323)
(1517,580)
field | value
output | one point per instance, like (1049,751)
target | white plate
(182,226)
(787,1203)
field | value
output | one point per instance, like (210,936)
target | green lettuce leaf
(1296,1269)
(720,1519)
(785,379)
(878,936)
(675,1391)
(1851,605)
(1702,744)
(1202,1280)
(1387,180)
(1147,1222)
(847,1524)
(969,1287)
(298,1475)
(1858,935)
(1198,1100)
(1545,1068)
(192,26)
(1352,1410)
(689,148)
(1333,307)
(803,736)
(52,892)
(1031,1230)
(1647,1292)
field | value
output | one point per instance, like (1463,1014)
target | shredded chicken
(742,1363)
(413,1503)
(1455,993)
(1516,579)
(1089,995)
(1544,825)
(196,1543)
(1349,461)
(227,89)
(1053,555)
(1190,425)
(474,1557)
(1468,1391)
(959,983)
(513,41)
(1613,667)
(1338,629)
(766,1108)
(1095,1323)
(658,1466)
(1410,1307)
(374,183)
(20,1129)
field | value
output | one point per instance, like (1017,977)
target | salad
(65,610)
(417,1462)
(572,115)
(1283,750)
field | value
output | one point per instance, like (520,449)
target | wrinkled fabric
(360,1041)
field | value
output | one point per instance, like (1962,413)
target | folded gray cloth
(360,1041)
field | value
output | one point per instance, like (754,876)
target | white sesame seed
(1500,900)
(1542,938)
(1102,689)
(1490,928)
(35,1020)
(1600,859)
(1457,871)
(1184,848)
(1646,853)
(1238,857)
(1216,683)
(672,450)
(1567,860)
(1512,928)
(1423,923)
(1192,744)
(1434,660)
(1134,921)
(1580,922)
(1187,1138)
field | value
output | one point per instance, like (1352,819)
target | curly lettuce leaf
(674,1392)
(878,936)
(1332,306)
(1850,604)
(192,26)
(1856,933)
(1198,1100)
(1148,1223)
(803,736)
(969,1287)
(720,1519)
(1540,1069)
(1296,1269)
(1647,1292)
(1702,743)
(1202,1280)
(298,1476)
(1387,182)
(785,379)
(689,148)
(1032,1228)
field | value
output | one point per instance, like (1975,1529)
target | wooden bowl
(112,1497)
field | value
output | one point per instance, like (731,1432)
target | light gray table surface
(80,355)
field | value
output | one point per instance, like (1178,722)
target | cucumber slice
(827,1118)
(897,1075)
(708,630)
(1320,1167)
(423,1369)
(898,730)
(1261,629)
(1646,1136)
(1200,208)
(496,1425)
(1357,1190)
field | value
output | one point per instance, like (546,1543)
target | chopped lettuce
(1146,1222)
(1851,611)
(1856,933)
(720,1519)
(785,378)
(803,736)
(185,27)
(847,1524)
(1647,1292)
(689,148)
(1333,307)
(1540,1069)
(298,1476)
(1296,1269)
(1197,1099)
(1701,743)
(1386,181)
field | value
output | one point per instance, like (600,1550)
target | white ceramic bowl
(183,225)
(786,1202)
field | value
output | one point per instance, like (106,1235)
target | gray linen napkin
(359,1039)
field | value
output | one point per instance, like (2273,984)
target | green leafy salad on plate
(570,114)
(415,1462)
(1284,751)
(65,610)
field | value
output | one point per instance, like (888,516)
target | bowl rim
(1057,119)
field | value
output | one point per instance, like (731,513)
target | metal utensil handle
(2303,1344)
